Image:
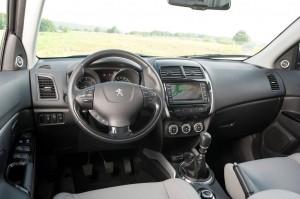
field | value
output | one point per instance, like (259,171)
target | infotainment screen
(188,91)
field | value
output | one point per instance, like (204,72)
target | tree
(47,26)
(241,37)
(66,29)
(3,21)
(113,29)
(97,29)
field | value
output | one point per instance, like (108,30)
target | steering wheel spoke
(120,132)
(151,97)
(85,98)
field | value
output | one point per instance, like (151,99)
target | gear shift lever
(205,140)
(194,166)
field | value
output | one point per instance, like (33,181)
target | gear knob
(205,140)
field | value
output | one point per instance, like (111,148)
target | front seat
(245,179)
(169,189)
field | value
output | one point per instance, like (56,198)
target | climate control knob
(198,127)
(186,128)
(173,129)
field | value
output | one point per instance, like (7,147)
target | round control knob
(173,129)
(186,128)
(198,127)
(206,194)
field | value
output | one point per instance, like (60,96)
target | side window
(3,18)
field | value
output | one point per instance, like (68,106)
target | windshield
(155,28)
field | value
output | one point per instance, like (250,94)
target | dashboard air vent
(47,89)
(193,72)
(273,82)
(171,72)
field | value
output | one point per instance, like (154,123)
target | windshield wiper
(217,56)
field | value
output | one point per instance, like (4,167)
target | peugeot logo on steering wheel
(119,92)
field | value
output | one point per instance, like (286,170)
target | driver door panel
(15,97)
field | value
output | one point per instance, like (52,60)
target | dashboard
(227,98)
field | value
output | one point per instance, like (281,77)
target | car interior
(115,123)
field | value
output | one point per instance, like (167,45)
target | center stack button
(186,128)
(173,129)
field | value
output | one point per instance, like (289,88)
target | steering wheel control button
(86,98)
(173,129)
(206,194)
(149,95)
(186,128)
(198,127)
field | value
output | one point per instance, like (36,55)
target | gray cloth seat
(271,173)
(275,194)
(169,189)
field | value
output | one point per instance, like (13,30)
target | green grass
(58,44)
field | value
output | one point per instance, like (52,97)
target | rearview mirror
(202,4)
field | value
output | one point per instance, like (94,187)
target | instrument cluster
(95,76)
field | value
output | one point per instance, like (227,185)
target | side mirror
(202,4)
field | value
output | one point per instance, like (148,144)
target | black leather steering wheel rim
(152,79)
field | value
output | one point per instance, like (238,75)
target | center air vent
(47,89)
(192,72)
(273,82)
(171,72)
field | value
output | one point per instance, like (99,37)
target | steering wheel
(115,104)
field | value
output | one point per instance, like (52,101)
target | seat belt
(243,182)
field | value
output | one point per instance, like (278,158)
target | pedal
(109,167)
(127,165)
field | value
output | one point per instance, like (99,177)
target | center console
(189,97)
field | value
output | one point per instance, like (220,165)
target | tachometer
(127,75)
(85,82)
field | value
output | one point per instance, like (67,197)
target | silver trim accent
(38,86)
(194,181)
(186,125)
(171,126)
(195,128)
(166,100)
(208,81)
(208,194)
(9,167)
(284,64)
(19,62)
(162,160)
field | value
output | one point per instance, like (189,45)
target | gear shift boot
(194,167)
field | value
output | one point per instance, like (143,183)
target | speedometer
(85,82)
(122,79)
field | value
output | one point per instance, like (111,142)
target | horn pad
(117,102)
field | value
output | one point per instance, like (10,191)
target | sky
(263,20)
